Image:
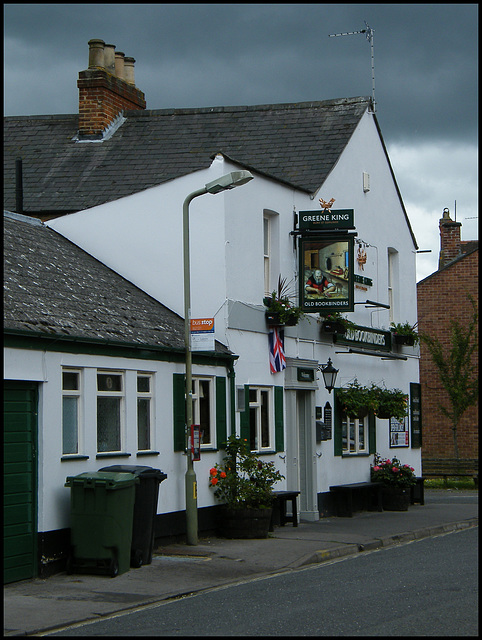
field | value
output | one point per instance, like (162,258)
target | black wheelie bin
(145,509)
(101,513)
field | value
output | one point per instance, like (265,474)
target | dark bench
(360,496)
(279,516)
(451,468)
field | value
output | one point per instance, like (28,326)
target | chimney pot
(96,54)
(109,58)
(450,245)
(119,64)
(129,70)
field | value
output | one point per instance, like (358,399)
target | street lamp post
(228,181)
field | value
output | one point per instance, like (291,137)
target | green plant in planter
(279,303)
(392,473)
(389,402)
(242,480)
(335,317)
(355,399)
(405,332)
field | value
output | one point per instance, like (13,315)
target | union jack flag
(277,360)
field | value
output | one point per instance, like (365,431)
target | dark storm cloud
(225,54)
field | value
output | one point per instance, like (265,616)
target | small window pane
(361,434)
(70,443)
(205,411)
(253,439)
(108,424)
(109,382)
(352,434)
(143,423)
(265,419)
(143,384)
(70,381)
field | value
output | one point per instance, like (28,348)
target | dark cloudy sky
(426,80)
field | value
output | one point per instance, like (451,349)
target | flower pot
(333,327)
(395,498)
(244,522)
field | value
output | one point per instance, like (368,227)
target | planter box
(401,339)
(244,523)
(395,498)
(273,320)
(333,327)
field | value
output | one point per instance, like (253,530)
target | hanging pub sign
(326,272)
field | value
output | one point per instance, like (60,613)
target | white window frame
(112,394)
(256,405)
(146,395)
(196,409)
(267,253)
(348,423)
(77,394)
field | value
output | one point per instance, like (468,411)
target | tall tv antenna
(369,36)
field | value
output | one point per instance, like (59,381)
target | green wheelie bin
(145,509)
(101,514)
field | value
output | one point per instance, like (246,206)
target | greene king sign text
(325,220)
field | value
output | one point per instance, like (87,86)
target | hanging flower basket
(389,403)
(355,400)
(274,319)
(335,322)
(280,310)
(334,327)
(403,339)
(404,333)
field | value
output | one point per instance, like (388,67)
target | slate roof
(297,144)
(53,287)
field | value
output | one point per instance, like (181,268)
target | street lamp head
(229,181)
(329,375)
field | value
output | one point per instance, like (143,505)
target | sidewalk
(35,606)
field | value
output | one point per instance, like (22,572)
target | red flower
(222,474)
(213,471)
(214,481)
(395,469)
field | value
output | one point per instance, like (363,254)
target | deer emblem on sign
(326,205)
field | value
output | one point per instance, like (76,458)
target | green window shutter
(278,419)
(337,438)
(179,418)
(221,417)
(372,433)
(244,415)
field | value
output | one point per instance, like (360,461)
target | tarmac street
(32,607)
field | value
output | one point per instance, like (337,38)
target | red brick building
(441,297)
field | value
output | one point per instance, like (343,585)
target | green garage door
(20,486)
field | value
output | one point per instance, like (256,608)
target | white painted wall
(46,368)
(140,237)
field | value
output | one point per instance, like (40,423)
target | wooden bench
(360,496)
(451,468)
(279,516)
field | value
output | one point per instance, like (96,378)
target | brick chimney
(105,90)
(450,245)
